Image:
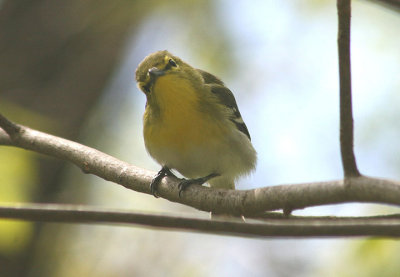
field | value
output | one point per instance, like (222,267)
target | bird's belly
(188,148)
(197,151)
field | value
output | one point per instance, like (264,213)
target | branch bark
(340,227)
(245,202)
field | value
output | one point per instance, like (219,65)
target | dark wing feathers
(226,98)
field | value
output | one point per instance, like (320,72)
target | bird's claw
(165,171)
(184,184)
(199,181)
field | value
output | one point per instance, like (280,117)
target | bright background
(280,60)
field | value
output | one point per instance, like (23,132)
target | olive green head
(163,63)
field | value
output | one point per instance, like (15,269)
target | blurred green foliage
(18,176)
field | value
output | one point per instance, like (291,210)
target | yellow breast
(180,124)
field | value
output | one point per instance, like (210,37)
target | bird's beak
(155,72)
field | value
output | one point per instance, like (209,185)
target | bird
(192,124)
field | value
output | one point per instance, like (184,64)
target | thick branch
(346,113)
(345,227)
(245,202)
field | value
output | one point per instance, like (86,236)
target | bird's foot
(165,171)
(198,181)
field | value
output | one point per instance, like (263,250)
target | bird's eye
(171,62)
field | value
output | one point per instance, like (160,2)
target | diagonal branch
(340,227)
(346,113)
(244,202)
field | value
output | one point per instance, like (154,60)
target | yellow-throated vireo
(192,124)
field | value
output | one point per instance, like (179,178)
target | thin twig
(279,215)
(388,227)
(346,115)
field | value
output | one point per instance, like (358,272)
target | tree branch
(10,127)
(341,227)
(244,202)
(346,113)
